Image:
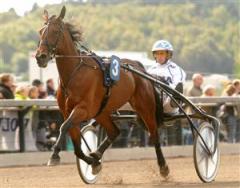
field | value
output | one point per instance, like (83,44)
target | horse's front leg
(75,134)
(71,123)
(112,133)
(55,158)
(91,160)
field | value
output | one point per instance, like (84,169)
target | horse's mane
(75,33)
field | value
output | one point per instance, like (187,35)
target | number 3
(115,69)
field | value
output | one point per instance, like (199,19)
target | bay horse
(81,92)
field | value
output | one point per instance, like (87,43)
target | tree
(20,61)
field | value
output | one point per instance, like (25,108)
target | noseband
(52,47)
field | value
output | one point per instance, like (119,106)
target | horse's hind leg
(148,116)
(164,170)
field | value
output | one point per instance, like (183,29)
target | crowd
(229,114)
(10,90)
(46,123)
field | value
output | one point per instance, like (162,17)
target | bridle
(51,47)
(52,51)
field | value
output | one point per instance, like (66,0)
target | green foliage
(8,17)
(21,62)
(237,65)
(205,34)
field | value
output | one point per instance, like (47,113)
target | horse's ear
(45,15)
(62,14)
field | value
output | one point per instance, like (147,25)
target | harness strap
(106,82)
(106,79)
(63,86)
(104,101)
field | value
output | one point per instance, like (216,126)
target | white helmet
(162,45)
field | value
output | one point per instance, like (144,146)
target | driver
(167,71)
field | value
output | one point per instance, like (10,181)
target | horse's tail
(159,107)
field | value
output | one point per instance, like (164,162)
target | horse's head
(50,37)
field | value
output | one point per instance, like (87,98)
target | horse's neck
(67,65)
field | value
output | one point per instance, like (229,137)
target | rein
(74,56)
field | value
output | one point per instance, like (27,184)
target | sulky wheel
(90,134)
(206,164)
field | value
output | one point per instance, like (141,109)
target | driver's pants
(167,108)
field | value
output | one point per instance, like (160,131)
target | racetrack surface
(130,174)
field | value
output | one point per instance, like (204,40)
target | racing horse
(81,91)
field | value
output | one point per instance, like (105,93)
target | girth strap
(106,83)
(104,101)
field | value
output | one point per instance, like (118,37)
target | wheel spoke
(202,158)
(203,146)
(86,169)
(206,166)
(212,161)
(210,139)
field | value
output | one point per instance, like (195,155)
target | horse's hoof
(53,161)
(96,168)
(96,155)
(164,171)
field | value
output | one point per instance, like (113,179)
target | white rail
(53,102)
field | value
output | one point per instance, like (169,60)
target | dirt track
(142,173)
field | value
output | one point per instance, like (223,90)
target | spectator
(196,89)
(51,92)
(7,86)
(209,91)
(42,92)
(48,120)
(42,124)
(33,92)
(22,92)
(236,84)
(229,90)
(230,112)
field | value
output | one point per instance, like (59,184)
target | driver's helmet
(162,45)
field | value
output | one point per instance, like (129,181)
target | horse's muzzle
(42,59)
